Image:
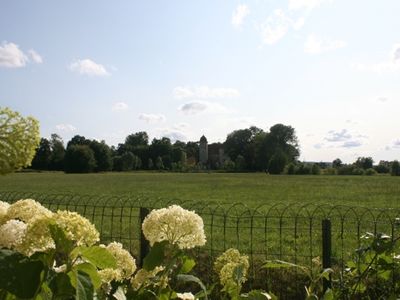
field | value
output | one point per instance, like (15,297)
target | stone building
(211,155)
(203,150)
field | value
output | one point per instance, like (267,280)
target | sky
(181,69)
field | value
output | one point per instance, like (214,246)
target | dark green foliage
(315,169)
(277,163)
(79,159)
(41,160)
(240,163)
(57,153)
(303,169)
(102,154)
(357,171)
(345,170)
(337,163)
(364,163)
(126,162)
(291,169)
(370,172)
(383,167)
(20,275)
(395,171)
(159,163)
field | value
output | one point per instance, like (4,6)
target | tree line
(245,150)
(251,149)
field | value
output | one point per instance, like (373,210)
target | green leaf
(61,286)
(20,275)
(187,265)
(98,256)
(191,278)
(90,270)
(82,284)
(155,257)
(328,295)
(326,273)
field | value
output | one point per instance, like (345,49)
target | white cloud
(316,45)
(396,53)
(276,26)
(204,92)
(11,56)
(196,107)
(120,106)
(35,57)
(351,144)
(382,99)
(240,13)
(65,127)
(394,145)
(305,4)
(391,64)
(338,136)
(88,67)
(152,118)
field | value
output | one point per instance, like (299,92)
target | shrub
(370,172)
(395,168)
(79,159)
(357,171)
(277,163)
(315,169)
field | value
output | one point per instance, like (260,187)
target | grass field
(250,188)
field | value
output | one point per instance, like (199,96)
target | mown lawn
(250,188)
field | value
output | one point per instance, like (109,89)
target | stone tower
(203,150)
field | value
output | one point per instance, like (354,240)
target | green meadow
(252,189)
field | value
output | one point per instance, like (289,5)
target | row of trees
(249,149)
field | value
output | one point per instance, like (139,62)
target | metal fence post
(144,244)
(326,249)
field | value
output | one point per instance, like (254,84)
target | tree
(277,163)
(315,169)
(240,163)
(125,162)
(79,159)
(102,154)
(395,168)
(19,137)
(150,164)
(364,162)
(42,157)
(57,153)
(78,140)
(337,163)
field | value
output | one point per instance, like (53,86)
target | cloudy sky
(329,68)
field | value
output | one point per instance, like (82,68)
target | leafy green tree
(78,140)
(383,167)
(57,153)
(395,171)
(240,163)
(19,137)
(315,169)
(364,163)
(102,154)
(337,163)
(277,163)
(41,161)
(79,159)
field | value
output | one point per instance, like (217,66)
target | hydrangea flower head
(27,210)
(3,210)
(12,234)
(77,228)
(126,264)
(185,296)
(176,225)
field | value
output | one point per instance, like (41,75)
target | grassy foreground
(250,188)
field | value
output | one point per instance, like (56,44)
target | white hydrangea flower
(77,228)
(3,210)
(27,210)
(126,264)
(12,234)
(38,237)
(176,225)
(185,296)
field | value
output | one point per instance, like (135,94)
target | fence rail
(292,232)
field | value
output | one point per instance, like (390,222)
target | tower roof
(203,139)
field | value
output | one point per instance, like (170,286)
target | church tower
(203,151)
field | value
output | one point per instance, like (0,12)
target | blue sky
(329,68)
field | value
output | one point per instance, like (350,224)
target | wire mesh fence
(291,232)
